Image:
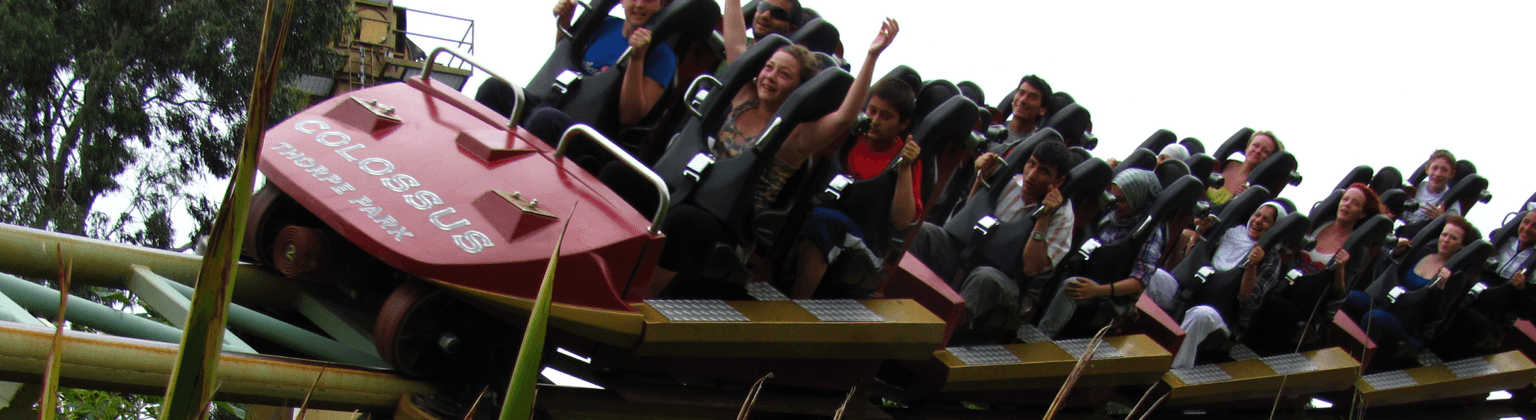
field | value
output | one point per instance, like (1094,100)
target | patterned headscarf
(1140,187)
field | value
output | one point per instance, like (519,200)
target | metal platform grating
(991,354)
(1077,346)
(761,290)
(1429,358)
(697,311)
(839,310)
(1201,374)
(1241,352)
(1389,380)
(1030,334)
(1290,364)
(1468,368)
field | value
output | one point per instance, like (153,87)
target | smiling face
(1527,230)
(773,17)
(779,76)
(1352,205)
(884,121)
(1259,149)
(639,12)
(1439,172)
(1261,221)
(1451,239)
(1027,103)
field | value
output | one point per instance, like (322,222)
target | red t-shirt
(864,161)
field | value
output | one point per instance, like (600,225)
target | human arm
(1037,256)
(564,9)
(1250,272)
(986,164)
(638,93)
(1083,289)
(904,205)
(1341,259)
(817,135)
(733,22)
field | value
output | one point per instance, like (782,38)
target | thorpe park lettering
(427,202)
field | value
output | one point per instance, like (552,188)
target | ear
(902,126)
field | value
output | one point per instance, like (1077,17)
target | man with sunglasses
(771,17)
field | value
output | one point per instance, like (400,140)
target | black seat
(593,100)
(1234,144)
(1222,289)
(1423,310)
(1001,245)
(1470,190)
(1171,170)
(711,104)
(1235,213)
(1360,174)
(1072,121)
(1140,158)
(1158,140)
(820,36)
(1276,172)
(1203,166)
(1193,145)
(1110,262)
(868,202)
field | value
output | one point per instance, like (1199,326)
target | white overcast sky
(1341,83)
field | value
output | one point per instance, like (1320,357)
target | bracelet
(1111,290)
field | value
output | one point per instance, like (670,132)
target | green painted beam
(45,301)
(155,293)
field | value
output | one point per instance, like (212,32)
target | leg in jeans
(1059,311)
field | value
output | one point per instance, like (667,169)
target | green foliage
(80,404)
(147,96)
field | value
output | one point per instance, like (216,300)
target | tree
(135,97)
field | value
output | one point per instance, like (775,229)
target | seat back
(961,224)
(1072,121)
(713,109)
(1361,174)
(1002,246)
(1386,179)
(820,36)
(1235,213)
(1171,170)
(1140,159)
(594,99)
(1234,144)
(1202,166)
(1222,290)
(1158,140)
(1276,172)
(1193,145)
(728,192)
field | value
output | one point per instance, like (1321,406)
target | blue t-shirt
(610,42)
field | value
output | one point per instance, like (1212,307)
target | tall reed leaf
(518,403)
(197,363)
(48,403)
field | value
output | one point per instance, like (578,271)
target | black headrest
(1290,207)
(1327,209)
(1025,149)
(693,17)
(1394,200)
(932,94)
(1475,253)
(1080,155)
(1201,165)
(1071,121)
(1387,178)
(1467,192)
(818,35)
(1160,138)
(1234,144)
(950,121)
(1463,168)
(1361,174)
(1193,145)
(1177,197)
(1087,180)
(1139,158)
(972,91)
(1372,232)
(1170,170)
(906,74)
(1276,171)
(1289,229)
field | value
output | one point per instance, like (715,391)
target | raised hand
(1258,254)
(888,31)
(564,9)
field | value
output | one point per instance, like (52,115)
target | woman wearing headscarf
(1238,245)
(1134,191)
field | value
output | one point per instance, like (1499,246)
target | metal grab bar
(517,104)
(565,27)
(664,196)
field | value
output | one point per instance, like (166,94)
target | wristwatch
(1037,235)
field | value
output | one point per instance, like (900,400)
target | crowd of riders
(786,168)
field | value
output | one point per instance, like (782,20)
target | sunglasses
(775,11)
